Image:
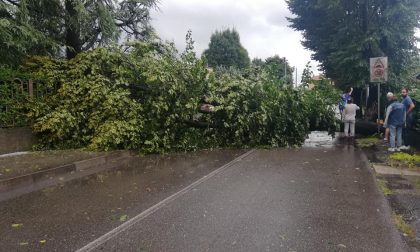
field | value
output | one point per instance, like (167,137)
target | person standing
(409,107)
(395,120)
(389,102)
(349,115)
(345,99)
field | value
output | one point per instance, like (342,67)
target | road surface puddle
(319,139)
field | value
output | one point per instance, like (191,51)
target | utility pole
(296,77)
(285,71)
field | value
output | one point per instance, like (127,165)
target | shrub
(169,89)
(320,104)
(405,159)
(92,107)
(12,98)
(251,112)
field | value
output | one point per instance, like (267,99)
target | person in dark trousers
(395,121)
(409,107)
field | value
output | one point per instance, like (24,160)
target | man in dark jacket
(409,107)
(395,121)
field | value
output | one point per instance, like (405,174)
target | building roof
(317,77)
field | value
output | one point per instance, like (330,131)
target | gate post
(31,88)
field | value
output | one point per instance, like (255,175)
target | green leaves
(17,225)
(32,27)
(92,107)
(256,112)
(148,99)
(225,50)
(344,34)
(320,104)
(123,218)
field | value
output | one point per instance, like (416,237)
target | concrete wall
(16,139)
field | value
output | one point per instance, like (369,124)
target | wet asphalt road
(72,214)
(278,200)
(309,199)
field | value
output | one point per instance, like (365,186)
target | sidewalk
(401,187)
(29,172)
(29,162)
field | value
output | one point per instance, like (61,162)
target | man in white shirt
(349,116)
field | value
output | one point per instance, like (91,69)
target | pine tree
(225,50)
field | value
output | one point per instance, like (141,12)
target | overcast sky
(262,25)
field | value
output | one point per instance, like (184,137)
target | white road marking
(131,222)
(14,154)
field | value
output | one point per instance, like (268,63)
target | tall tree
(76,25)
(307,75)
(279,69)
(344,34)
(225,50)
(18,35)
(257,62)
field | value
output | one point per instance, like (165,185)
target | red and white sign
(379,69)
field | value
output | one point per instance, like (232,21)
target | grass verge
(406,229)
(382,186)
(367,142)
(405,160)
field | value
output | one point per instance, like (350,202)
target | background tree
(307,75)
(279,69)
(90,24)
(345,34)
(410,78)
(18,35)
(225,50)
(257,62)
(41,27)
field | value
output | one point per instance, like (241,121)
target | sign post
(379,103)
(379,74)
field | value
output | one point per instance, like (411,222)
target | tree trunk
(73,44)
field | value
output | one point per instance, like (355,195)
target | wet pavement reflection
(317,198)
(324,139)
(319,139)
(66,216)
(297,199)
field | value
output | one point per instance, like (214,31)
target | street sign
(379,69)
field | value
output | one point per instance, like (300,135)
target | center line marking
(131,222)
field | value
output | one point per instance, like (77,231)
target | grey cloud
(262,25)
(279,18)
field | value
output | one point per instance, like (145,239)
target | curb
(17,186)
(388,170)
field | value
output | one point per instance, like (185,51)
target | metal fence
(14,97)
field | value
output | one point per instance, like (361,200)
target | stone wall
(16,139)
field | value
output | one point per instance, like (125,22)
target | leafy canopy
(32,27)
(279,69)
(147,96)
(225,50)
(344,34)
